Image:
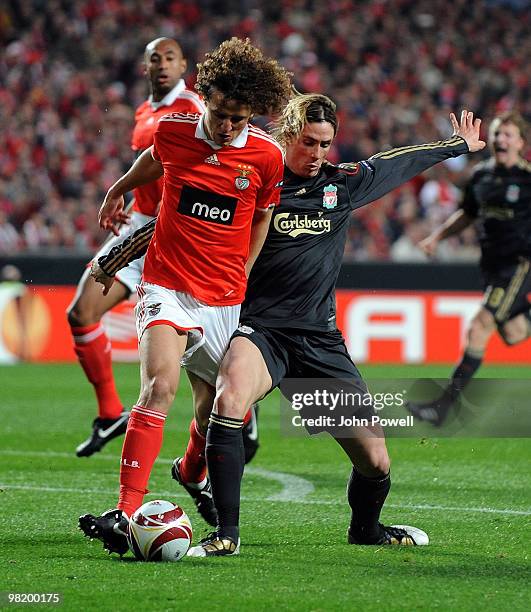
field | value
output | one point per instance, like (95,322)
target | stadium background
(70,78)
(69,81)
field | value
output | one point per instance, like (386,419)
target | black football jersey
(500,199)
(292,283)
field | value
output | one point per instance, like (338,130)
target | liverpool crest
(241,181)
(513,193)
(330,196)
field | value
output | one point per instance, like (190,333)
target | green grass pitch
(473,497)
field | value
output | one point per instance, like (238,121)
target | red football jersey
(202,235)
(179,100)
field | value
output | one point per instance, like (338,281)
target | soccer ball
(159,531)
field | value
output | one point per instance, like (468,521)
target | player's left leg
(190,470)
(326,357)
(93,349)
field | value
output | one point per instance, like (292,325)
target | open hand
(112,214)
(468,129)
(428,246)
(100,276)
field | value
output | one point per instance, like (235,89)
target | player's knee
(511,334)
(230,402)
(379,461)
(202,423)
(80,315)
(158,393)
(374,461)
(480,330)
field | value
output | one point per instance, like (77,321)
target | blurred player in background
(498,197)
(222,177)
(164,66)
(288,325)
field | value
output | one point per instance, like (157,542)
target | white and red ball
(159,531)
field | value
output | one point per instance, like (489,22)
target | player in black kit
(498,198)
(288,326)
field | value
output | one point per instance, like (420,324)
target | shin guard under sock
(93,350)
(142,444)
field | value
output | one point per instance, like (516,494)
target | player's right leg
(243,379)
(367,490)
(479,332)
(93,350)
(161,348)
(190,470)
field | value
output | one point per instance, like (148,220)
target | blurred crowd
(71,77)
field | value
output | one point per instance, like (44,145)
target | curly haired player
(222,178)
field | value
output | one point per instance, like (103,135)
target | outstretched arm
(455,224)
(385,171)
(144,170)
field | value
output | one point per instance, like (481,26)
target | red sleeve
(154,148)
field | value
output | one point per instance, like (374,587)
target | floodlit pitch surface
(473,497)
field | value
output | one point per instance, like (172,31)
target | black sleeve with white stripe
(127,251)
(385,171)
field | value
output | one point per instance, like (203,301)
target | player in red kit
(164,66)
(222,178)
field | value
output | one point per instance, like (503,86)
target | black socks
(225,457)
(463,374)
(366,497)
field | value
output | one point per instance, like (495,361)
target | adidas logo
(213,159)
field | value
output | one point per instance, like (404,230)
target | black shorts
(292,355)
(507,290)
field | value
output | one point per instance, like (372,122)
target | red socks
(93,350)
(142,444)
(193,465)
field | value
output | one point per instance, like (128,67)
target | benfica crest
(153,309)
(330,196)
(241,181)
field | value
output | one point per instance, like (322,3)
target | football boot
(111,528)
(103,431)
(202,497)
(215,545)
(401,535)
